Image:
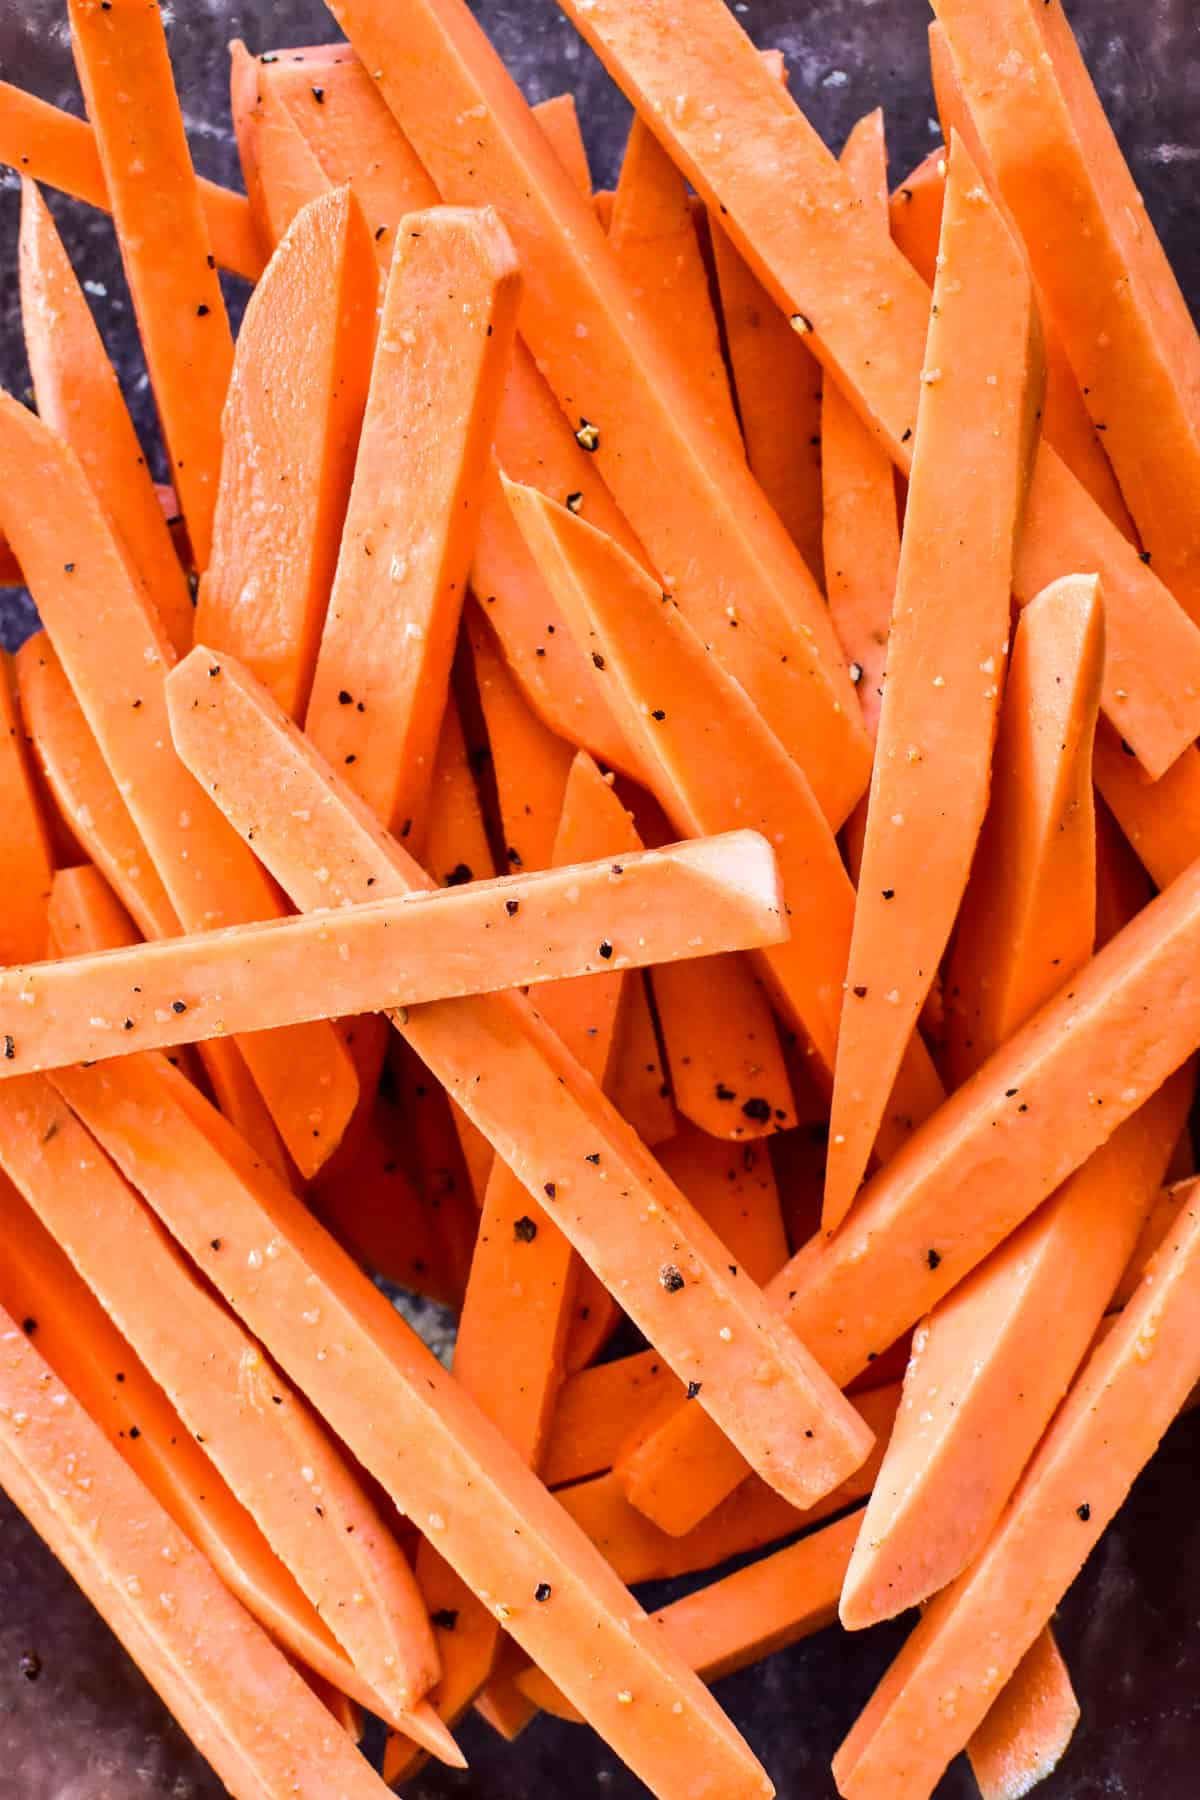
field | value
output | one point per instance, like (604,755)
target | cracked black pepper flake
(202,311)
(29,1326)
(671,1278)
(889,893)
(214,1243)
(606,949)
(30,1665)
(524,1229)
(345,699)
(128,1025)
(933,1258)
(542,1592)
(597,660)
(906,434)
(69,567)
(723,1092)
(549,1189)
(179,1006)
(1010,1093)
(210,260)
(1145,555)
(588,436)
(135,1431)
(352,758)
(593,1156)
(860,993)
(757,1108)
(10,1046)
(693,1388)
(458,875)
(318,95)
(1083,1512)
(658,714)
(214,671)
(574,502)
(514,857)
(512,908)
(445,1618)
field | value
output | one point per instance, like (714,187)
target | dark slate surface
(89,1728)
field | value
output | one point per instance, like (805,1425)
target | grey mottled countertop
(89,1728)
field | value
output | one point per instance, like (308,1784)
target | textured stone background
(89,1728)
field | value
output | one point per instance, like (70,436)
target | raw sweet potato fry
(120,52)
(981,392)
(25,848)
(383,669)
(559,120)
(80,399)
(51,146)
(290,437)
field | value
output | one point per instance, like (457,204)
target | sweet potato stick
(120,52)
(25,848)
(540,1111)
(51,146)
(79,398)
(290,441)
(559,120)
(383,669)
(979,402)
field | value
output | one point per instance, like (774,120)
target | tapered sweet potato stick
(733,1186)
(253,1424)
(975,1632)
(711,758)
(638,1085)
(733,1082)
(1160,819)
(87,796)
(1065,421)
(79,398)
(738,1620)
(559,120)
(115,656)
(979,403)
(640,1551)
(541,1113)
(1027,1729)
(51,146)
(581,920)
(1020,1323)
(1033,1113)
(25,848)
(524,1272)
(290,441)
(592,1418)
(445,335)
(860,531)
(653,237)
(863,312)
(687,495)
(223,1679)
(1027,921)
(120,52)
(915,214)
(530,764)
(1159,1223)
(352,137)
(1104,278)
(412,1427)
(39,1286)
